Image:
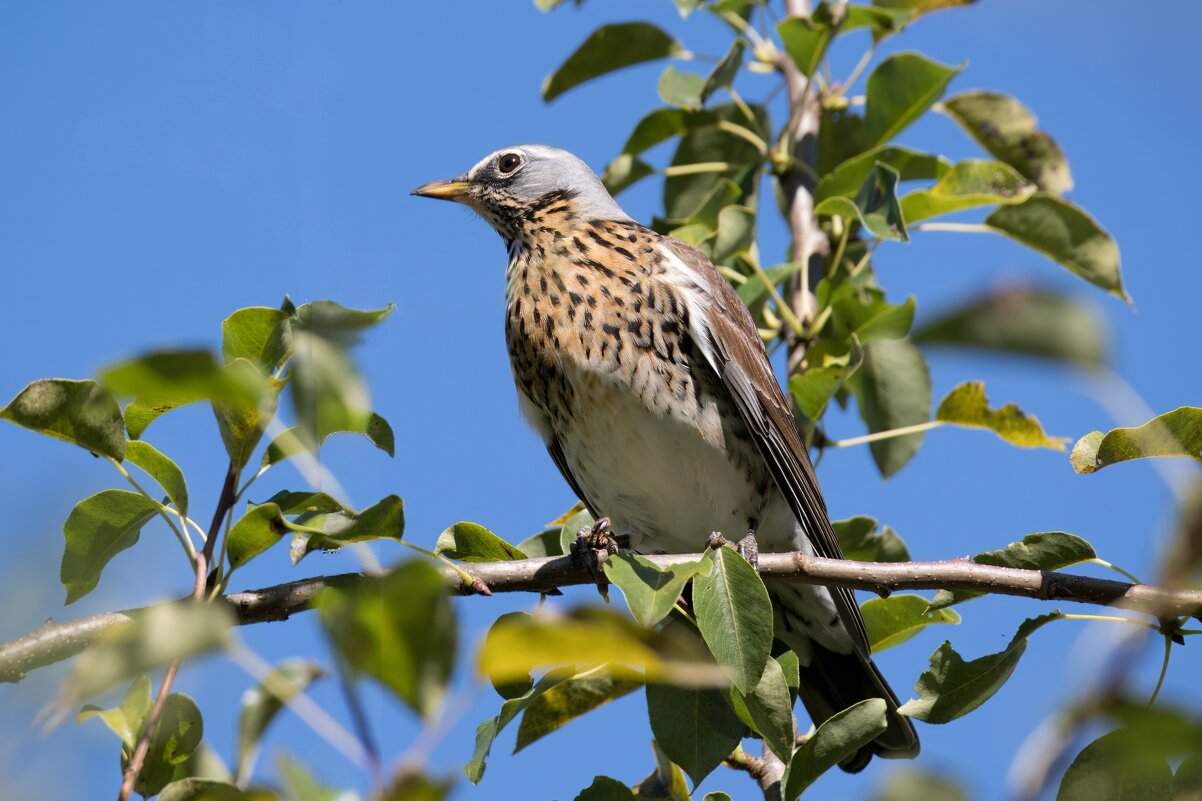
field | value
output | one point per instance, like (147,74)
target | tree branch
(53,642)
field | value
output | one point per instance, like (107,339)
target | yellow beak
(453,189)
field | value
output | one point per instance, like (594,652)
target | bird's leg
(590,543)
(748,548)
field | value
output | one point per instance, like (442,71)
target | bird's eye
(508,162)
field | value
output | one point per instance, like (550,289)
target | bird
(644,374)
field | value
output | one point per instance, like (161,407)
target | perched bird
(643,372)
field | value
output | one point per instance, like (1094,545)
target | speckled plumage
(645,376)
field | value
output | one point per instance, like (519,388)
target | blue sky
(164,164)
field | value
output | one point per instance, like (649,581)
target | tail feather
(832,682)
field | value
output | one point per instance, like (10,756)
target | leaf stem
(880,435)
(1115,568)
(963,228)
(744,134)
(468,579)
(184,539)
(783,307)
(1109,619)
(1164,669)
(693,169)
(857,70)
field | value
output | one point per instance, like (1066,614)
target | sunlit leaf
(1008,130)
(162,469)
(700,196)
(126,719)
(242,421)
(681,89)
(834,741)
(178,733)
(725,71)
(1023,321)
(292,441)
(875,206)
(1051,550)
(734,615)
(568,700)
(696,728)
(472,542)
(623,172)
(899,90)
(256,334)
(650,591)
(911,165)
(202,789)
(383,520)
(813,389)
(967,405)
(967,185)
(1065,234)
(610,48)
(398,629)
(588,637)
(80,412)
(806,41)
(860,540)
(1175,433)
(894,620)
(98,528)
(952,688)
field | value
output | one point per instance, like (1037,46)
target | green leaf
(256,334)
(967,185)
(919,7)
(813,389)
(1009,131)
(875,206)
(1187,781)
(604,788)
(666,782)
(754,289)
(296,503)
(736,233)
(718,796)
(698,197)
(487,731)
(589,637)
(1065,234)
(398,629)
(98,528)
(261,527)
(911,165)
(1106,770)
(162,469)
(261,704)
(413,786)
(650,591)
(570,527)
(893,390)
(696,728)
(623,172)
(770,707)
(610,48)
(967,405)
(834,741)
(241,422)
(197,789)
(682,89)
(179,732)
(154,636)
(898,618)
(806,41)
(864,313)
(734,615)
(899,91)
(385,519)
(658,126)
(292,441)
(125,720)
(1051,550)
(472,542)
(79,412)
(568,700)
(1175,433)
(861,542)
(204,763)
(544,543)
(337,323)
(914,785)
(952,688)
(1023,321)
(726,70)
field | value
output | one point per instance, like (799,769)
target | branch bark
(54,642)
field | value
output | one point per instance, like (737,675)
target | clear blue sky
(166,163)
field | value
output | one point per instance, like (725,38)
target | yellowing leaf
(966,405)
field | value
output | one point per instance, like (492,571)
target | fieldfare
(644,374)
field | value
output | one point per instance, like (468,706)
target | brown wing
(737,355)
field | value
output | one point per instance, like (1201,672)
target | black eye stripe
(508,162)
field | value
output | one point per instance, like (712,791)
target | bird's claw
(591,542)
(747,547)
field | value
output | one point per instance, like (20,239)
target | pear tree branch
(54,642)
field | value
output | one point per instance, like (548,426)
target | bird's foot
(591,542)
(747,547)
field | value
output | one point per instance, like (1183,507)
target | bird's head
(513,185)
